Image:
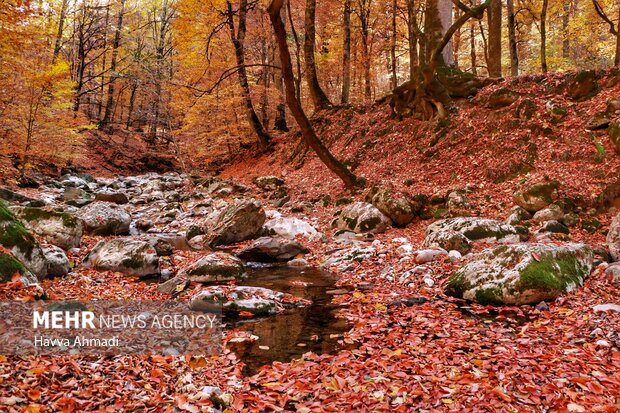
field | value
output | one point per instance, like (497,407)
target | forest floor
(439,355)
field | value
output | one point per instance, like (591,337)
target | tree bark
(512,39)
(307,132)
(346,53)
(364,15)
(238,39)
(445,15)
(612,28)
(472,45)
(280,119)
(61,27)
(318,96)
(107,117)
(617,59)
(393,68)
(543,37)
(495,38)
(565,22)
(413,38)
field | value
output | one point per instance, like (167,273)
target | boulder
(22,245)
(268,183)
(449,240)
(501,98)
(17,198)
(11,266)
(58,228)
(518,215)
(77,197)
(552,213)
(238,222)
(362,217)
(583,85)
(392,204)
(554,227)
(291,228)
(218,267)
(104,218)
(113,197)
(267,249)
(599,120)
(614,135)
(537,197)
(613,238)
(126,255)
(57,261)
(473,229)
(521,273)
(256,300)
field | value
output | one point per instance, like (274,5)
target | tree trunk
(565,22)
(364,15)
(495,38)
(238,39)
(543,36)
(445,15)
(393,45)
(512,39)
(107,117)
(319,98)
(433,30)
(346,53)
(61,26)
(456,42)
(280,119)
(617,59)
(132,99)
(472,45)
(297,49)
(413,40)
(307,132)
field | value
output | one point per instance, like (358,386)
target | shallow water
(284,332)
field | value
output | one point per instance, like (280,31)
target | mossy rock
(10,266)
(583,85)
(614,135)
(538,196)
(15,238)
(521,273)
(591,225)
(215,268)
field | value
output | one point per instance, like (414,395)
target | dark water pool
(295,331)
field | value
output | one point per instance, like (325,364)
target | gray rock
(426,256)
(521,273)
(268,183)
(58,228)
(78,197)
(15,197)
(537,197)
(174,286)
(104,218)
(554,227)
(552,213)
(392,203)
(126,255)
(457,233)
(10,266)
(518,215)
(215,268)
(266,249)
(613,238)
(57,261)
(362,217)
(113,197)
(22,245)
(291,228)
(238,222)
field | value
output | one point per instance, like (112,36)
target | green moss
(9,266)
(14,234)
(37,214)
(489,296)
(549,273)
(456,285)
(370,224)
(343,201)
(134,263)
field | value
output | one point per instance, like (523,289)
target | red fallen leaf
(34,394)
(245,314)
(536,257)
(498,392)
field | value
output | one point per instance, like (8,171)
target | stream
(293,332)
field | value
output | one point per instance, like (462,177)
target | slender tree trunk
(617,59)
(512,39)
(61,27)
(565,22)
(107,117)
(543,36)
(472,45)
(456,43)
(445,15)
(280,119)
(238,43)
(318,96)
(495,38)
(393,45)
(297,49)
(103,61)
(308,134)
(132,98)
(364,15)
(413,40)
(346,53)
